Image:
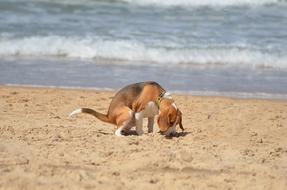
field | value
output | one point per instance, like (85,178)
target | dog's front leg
(150,124)
(139,123)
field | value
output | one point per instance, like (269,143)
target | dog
(137,101)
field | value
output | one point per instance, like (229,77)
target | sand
(228,144)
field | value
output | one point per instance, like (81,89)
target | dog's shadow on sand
(177,135)
(130,133)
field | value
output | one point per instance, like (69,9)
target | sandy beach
(228,144)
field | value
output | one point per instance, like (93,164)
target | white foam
(132,52)
(195,3)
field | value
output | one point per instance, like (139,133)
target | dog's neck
(165,103)
(160,97)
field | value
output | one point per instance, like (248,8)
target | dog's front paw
(140,132)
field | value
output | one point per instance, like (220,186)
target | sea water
(207,47)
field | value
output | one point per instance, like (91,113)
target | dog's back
(128,95)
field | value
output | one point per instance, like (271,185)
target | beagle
(137,101)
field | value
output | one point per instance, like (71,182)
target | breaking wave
(133,52)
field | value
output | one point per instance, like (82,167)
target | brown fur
(169,115)
(133,98)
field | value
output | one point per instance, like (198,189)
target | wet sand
(228,144)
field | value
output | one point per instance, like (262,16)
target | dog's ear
(180,126)
(171,117)
(180,120)
(162,121)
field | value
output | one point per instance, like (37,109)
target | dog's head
(168,119)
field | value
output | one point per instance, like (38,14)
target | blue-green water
(234,46)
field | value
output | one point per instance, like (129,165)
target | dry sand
(228,144)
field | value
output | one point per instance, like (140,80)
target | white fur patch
(167,95)
(174,105)
(119,132)
(138,115)
(150,111)
(76,112)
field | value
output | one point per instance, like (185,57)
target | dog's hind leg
(119,131)
(124,121)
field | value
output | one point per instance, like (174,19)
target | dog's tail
(98,115)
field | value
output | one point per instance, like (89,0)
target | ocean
(201,47)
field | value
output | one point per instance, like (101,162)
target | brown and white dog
(137,101)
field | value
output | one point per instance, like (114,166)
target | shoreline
(227,143)
(213,81)
(232,95)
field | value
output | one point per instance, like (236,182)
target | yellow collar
(159,99)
